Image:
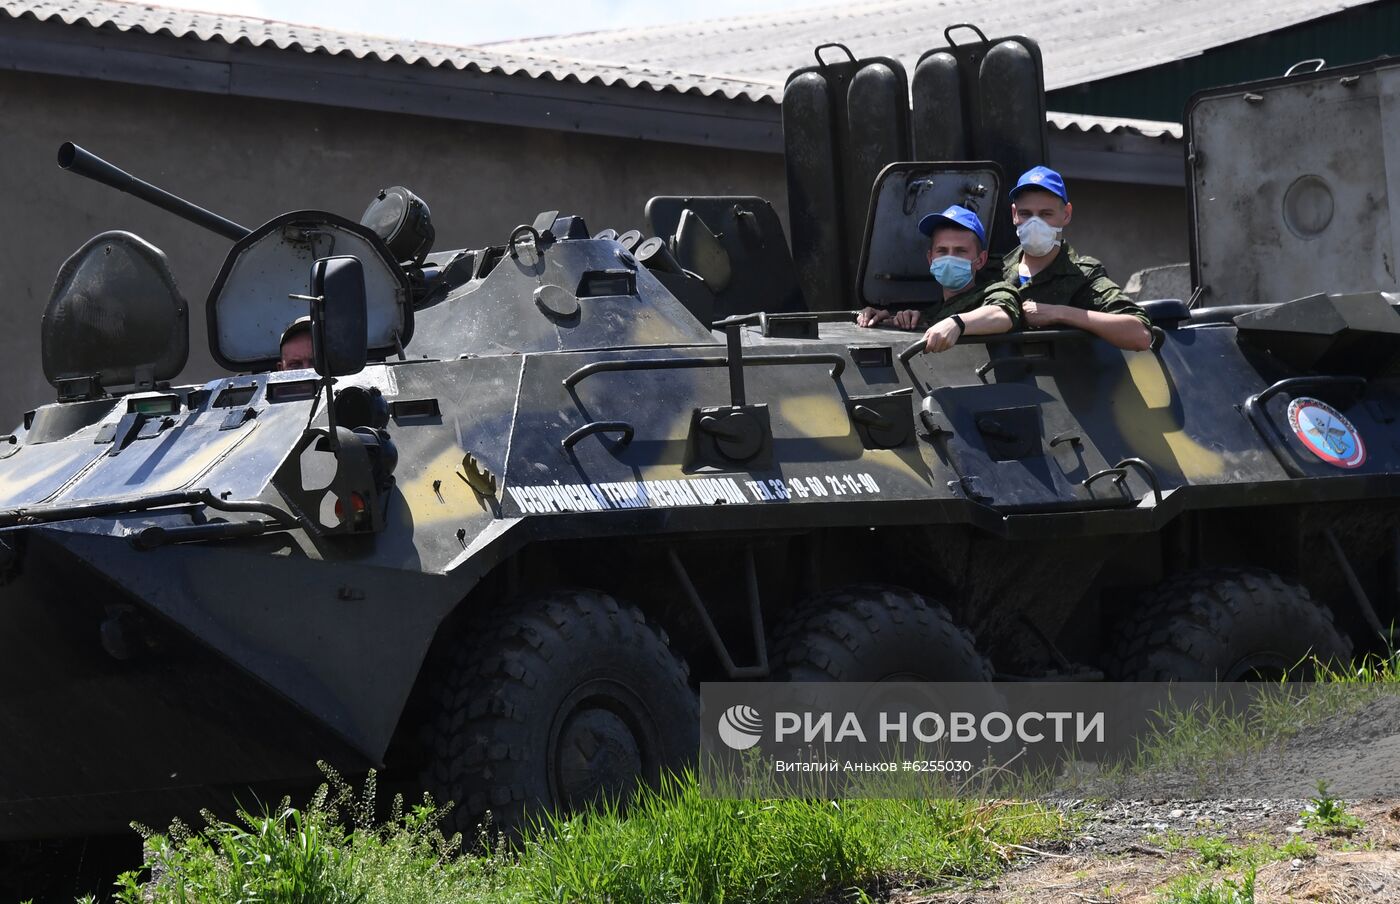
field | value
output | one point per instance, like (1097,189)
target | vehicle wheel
(64,869)
(564,700)
(23,873)
(1235,624)
(874,632)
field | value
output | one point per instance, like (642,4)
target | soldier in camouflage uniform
(957,250)
(1059,286)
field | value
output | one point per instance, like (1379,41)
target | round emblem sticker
(1326,433)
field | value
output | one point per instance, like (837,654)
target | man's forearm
(985,321)
(1120,330)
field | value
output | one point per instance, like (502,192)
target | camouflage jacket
(996,294)
(1074,280)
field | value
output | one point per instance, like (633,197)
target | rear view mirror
(339,323)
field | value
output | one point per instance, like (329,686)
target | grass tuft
(674,844)
(1198,890)
(670,844)
(1328,815)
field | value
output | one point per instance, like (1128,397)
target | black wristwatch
(962,327)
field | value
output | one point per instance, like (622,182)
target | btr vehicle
(532,494)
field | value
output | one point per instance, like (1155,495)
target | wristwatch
(962,327)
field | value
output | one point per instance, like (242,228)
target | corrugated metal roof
(1084,122)
(205,26)
(507,60)
(1081,40)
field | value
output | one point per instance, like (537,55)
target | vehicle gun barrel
(75,159)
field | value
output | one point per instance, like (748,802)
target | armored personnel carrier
(531,494)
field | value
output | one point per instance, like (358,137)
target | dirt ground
(1128,851)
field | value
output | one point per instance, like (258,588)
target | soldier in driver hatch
(296,351)
(957,250)
(1059,286)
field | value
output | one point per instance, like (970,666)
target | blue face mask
(951,272)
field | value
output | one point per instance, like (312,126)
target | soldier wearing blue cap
(957,250)
(1059,286)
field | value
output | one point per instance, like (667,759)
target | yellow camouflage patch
(1153,385)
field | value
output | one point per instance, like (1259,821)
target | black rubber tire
(875,632)
(64,869)
(532,688)
(1228,623)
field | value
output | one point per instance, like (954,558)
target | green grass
(1297,849)
(1199,738)
(1216,852)
(682,844)
(1196,739)
(332,851)
(1373,668)
(672,844)
(1199,890)
(1328,815)
(1225,872)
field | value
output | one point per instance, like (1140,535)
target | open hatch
(1292,184)
(115,319)
(893,268)
(251,302)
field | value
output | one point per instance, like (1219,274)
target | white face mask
(1038,237)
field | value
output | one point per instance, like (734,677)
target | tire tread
(1177,625)
(817,640)
(477,741)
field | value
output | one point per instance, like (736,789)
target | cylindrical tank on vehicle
(877,110)
(814,191)
(1012,123)
(940,128)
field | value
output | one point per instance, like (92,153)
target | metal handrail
(593,427)
(50,514)
(837,362)
(1119,473)
(757,318)
(1021,337)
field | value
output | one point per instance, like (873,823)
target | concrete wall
(1128,227)
(252,159)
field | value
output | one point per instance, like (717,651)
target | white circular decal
(1326,433)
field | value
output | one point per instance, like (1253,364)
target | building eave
(1082,147)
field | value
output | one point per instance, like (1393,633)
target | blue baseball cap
(957,216)
(1044,178)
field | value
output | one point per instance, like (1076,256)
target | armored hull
(531,495)
(163,673)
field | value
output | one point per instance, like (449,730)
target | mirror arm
(332,438)
(327,381)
